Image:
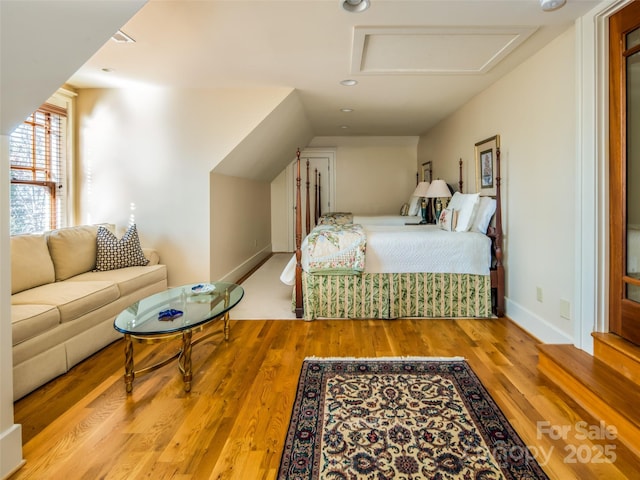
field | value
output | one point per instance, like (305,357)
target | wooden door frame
(591,258)
(617,168)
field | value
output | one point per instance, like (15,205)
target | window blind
(37,153)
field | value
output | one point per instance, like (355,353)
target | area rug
(399,418)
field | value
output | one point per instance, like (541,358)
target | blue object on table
(170,314)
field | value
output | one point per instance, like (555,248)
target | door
(624,173)
(321,186)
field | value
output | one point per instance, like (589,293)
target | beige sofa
(62,311)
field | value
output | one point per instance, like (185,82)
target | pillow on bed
(486,209)
(414,206)
(466,204)
(448,219)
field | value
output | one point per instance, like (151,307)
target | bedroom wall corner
(158,170)
(10,432)
(240,226)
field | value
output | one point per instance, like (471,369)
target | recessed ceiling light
(550,5)
(121,37)
(344,126)
(349,83)
(355,6)
(346,110)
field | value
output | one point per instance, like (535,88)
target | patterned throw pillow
(448,219)
(113,253)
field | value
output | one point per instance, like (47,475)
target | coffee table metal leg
(128,363)
(226,326)
(226,315)
(184,362)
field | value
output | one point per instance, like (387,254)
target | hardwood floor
(233,423)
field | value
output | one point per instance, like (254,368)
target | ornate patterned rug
(399,418)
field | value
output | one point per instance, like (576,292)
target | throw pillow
(448,219)
(114,253)
(414,206)
(466,204)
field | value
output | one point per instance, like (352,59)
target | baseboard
(11,450)
(248,265)
(535,325)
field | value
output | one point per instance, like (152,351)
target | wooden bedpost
(299,308)
(315,198)
(308,217)
(460,182)
(319,202)
(498,242)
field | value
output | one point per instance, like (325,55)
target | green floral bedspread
(336,249)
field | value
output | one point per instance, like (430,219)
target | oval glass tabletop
(178,309)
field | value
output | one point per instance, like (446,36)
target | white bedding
(416,248)
(386,219)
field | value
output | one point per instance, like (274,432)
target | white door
(321,178)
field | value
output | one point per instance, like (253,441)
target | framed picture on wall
(426,172)
(486,154)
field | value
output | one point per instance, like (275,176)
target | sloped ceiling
(42,43)
(270,147)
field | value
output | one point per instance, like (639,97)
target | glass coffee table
(176,313)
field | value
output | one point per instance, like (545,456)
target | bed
(398,270)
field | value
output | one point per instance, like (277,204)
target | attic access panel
(433,50)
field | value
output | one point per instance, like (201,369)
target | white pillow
(414,206)
(486,209)
(466,204)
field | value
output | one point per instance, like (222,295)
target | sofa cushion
(73,250)
(31,264)
(114,253)
(73,299)
(28,321)
(128,279)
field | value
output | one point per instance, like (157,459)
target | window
(37,153)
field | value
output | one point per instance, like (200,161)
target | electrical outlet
(539,294)
(565,309)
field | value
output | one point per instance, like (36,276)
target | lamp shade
(421,190)
(438,189)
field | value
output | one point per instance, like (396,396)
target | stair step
(596,387)
(619,354)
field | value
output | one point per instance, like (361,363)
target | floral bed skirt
(393,295)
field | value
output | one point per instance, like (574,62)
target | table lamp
(438,190)
(421,191)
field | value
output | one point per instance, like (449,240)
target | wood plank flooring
(233,423)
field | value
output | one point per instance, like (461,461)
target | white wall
(533,109)
(280,231)
(148,153)
(240,228)
(374,176)
(10,433)
(29,74)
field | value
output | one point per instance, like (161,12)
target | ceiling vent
(121,37)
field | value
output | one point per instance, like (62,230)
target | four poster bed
(379,267)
